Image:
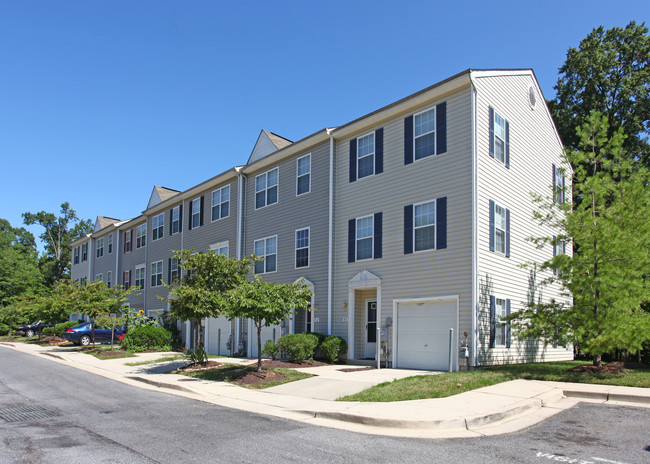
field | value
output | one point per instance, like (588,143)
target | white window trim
(177,209)
(374,153)
(127,239)
(266,204)
(434,131)
(160,227)
(143,228)
(219,245)
(100,248)
(435,225)
(505,238)
(221,203)
(144,277)
(110,243)
(151,274)
(308,229)
(308,155)
(265,255)
(171,270)
(99,276)
(494,122)
(356,239)
(197,212)
(497,319)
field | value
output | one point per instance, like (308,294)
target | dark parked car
(29,330)
(82,334)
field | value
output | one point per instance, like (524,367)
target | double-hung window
(364,238)
(499,229)
(499,138)
(84,252)
(109,279)
(76,256)
(110,243)
(158,225)
(156,273)
(559,248)
(220,248)
(499,329)
(128,240)
(266,248)
(99,277)
(424,133)
(174,272)
(424,226)
(141,236)
(221,203)
(266,188)
(558,185)
(302,247)
(303,174)
(195,214)
(366,156)
(100,247)
(139,276)
(175,220)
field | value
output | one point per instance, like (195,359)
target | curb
(447,424)
(155,383)
(606,396)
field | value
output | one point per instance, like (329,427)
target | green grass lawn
(104,352)
(448,384)
(167,359)
(233,372)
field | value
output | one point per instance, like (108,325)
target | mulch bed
(609,368)
(53,341)
(200,367)
(254,378)
(289,365)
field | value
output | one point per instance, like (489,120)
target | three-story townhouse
(133,259)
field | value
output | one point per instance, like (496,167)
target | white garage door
(218,335)
(268,333)
(423,334)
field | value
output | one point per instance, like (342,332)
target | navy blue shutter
(201,214)
(441,128)
(507,233)
(169,271)
(508,324)
(408,229)
(353,160)
(378,236)
(441,223)
(379,151)
(491,225)
(492,321)
(180,217)
(491,132)
(352,236)
(189,217)
(408,140)
(507,145)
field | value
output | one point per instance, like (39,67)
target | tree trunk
(10,333)
(598,360)
(259,347)
(92,331)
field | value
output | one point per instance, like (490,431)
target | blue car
(82,334)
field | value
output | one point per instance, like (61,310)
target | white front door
(371,329)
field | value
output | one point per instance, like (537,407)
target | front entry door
(371,329)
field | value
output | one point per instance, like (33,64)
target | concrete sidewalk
(501,408)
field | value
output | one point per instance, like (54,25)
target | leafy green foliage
(197,356)
(62,327)
(607,274)
(298,347)
(271,349)
(266,304)
(59,233)
(169,323)
(4,329)
(610,73)
(332,348)
(147,338)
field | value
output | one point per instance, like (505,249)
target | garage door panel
(423,334)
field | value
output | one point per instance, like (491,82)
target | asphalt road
(52,413)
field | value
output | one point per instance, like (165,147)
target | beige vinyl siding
(128,262)
(432,273)
(290,213)
(534,147)
(160,250)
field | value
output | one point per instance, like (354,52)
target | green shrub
(167,322)
(298,347)
(4,329)
(271,349)
(63,327)
(197,356)
(47,331)
(333,347)
(147,337)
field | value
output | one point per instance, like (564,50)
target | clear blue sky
(102,100)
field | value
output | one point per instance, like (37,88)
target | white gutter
(475,248)
(90,259)
(330,237)
(146,264)
(240,215)
(117,255)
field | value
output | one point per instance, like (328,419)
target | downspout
(240,216)
(146,264)
(90,259)
(475,248)
(116,248)
(330,236)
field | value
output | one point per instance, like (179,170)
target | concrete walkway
(498,409)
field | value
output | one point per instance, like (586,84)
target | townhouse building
(410,224)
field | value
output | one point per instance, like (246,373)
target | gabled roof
(103,221)
(267,143)
(160,194)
